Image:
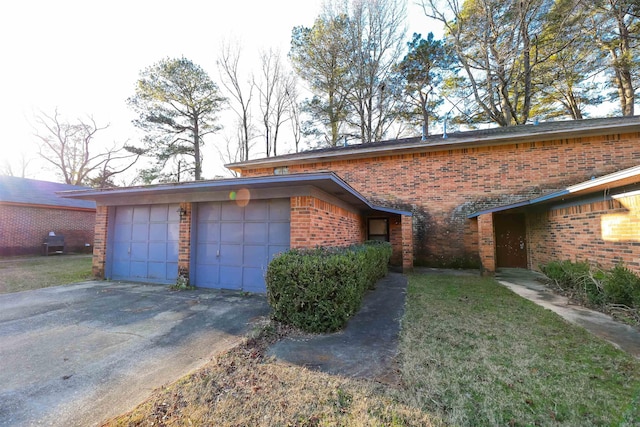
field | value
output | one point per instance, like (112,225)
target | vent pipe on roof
(444,129)
(424,132)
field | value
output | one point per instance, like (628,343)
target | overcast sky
(84,57)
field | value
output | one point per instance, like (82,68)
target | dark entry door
(511,248)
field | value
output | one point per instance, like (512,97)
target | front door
(511,248)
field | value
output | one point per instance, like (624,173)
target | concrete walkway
(368,345)
(526,283)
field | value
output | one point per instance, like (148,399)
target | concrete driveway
(78,354)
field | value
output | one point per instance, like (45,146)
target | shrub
(622,286)
(318,289)
(579,280)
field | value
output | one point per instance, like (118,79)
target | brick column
(487,244)
(407,244)
(100,242)
(184,240)
(300,222)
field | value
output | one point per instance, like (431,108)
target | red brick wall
(315,222)
(184,242)
(442,187)
(100,244)
(487,243)
(602,233)
(24,228)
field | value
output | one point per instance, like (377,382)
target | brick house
(30,209)
(446,182)
(452,201)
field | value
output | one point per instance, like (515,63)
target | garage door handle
(218,253)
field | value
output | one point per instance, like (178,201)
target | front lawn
(24,274)
(475,353)
(472,354)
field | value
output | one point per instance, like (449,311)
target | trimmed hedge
(317,290)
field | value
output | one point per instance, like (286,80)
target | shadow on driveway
(78,354)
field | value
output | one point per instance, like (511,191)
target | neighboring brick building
(30,210)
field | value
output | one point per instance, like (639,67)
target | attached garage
(234,243)
(223,233)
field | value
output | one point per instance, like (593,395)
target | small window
(283,170)
(379,229)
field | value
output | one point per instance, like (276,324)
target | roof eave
(616,179)
(421,146)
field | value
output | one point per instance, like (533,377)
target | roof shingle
(34,192)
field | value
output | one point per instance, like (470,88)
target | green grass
(23,274)
(476,354)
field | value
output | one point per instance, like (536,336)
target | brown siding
(442,187)
(24,228)
(603,233)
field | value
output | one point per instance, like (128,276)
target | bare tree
(240,92)
(295,111)
(273,87)
(497,46)
(18,169)
(70,148)
(377,30)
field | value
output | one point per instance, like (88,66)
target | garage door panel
(230,254)
(138,269)
(255,232)
(157,251)
(230,277)
(257,211)
(124,215)
(172,252)
(156,270)
(207,252)
(159,213)
(158,232)
(207,231)
(279,233)
(141,214)
(207,276)
(122,233)
(209,212)
(231,212)
(140,232)
(139,251)
(231,232)
(121,250)
(280,210)
(254,255)
(253,279)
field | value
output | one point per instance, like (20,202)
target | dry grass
(472,354)
(24,274)
(477,354)
(243,388)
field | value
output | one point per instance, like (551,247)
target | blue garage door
(145,243)
(234,244)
